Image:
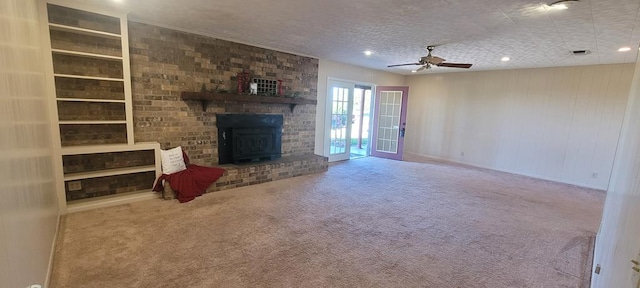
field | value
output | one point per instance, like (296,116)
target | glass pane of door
(389,121)
(339,121)
(360,122)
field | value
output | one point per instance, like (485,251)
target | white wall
(345,72)
(28,201)
(618,241)
(560,124)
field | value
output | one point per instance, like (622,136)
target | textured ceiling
(481,32)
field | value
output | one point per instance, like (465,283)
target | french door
(339,111)
(390,119)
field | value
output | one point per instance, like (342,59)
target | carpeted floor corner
(368,222)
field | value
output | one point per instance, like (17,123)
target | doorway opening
(361,120)
(349,120)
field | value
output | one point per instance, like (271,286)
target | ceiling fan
(429,60)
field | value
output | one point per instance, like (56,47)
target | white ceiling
(481,32)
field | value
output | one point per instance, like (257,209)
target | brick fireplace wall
(165,62)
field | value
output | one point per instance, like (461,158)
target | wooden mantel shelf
(205,97)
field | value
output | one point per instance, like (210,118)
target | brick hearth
(255,173)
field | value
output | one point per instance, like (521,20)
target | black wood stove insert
(249,137)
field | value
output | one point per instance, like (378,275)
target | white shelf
(84,54)
(109,172)
(108,148)
(88,77)
(89,100)
(84,31)
(92,122)
(110,200)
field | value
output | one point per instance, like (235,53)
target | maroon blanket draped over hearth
(190,183)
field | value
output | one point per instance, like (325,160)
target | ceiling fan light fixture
(427,61)
(563,4)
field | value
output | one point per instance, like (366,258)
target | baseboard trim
(588,269)
(47,280)
(439,159)
(117,199)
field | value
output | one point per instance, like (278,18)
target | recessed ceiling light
(368,52)
(505,59)
(624,49)
(414,71)
(563,4)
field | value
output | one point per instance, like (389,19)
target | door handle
(402,132)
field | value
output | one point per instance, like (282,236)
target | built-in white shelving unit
(53,26)
(90,100)
(88,77)
(90,83)
(108,172)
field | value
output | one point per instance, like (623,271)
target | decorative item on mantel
(243,81)
(266,87)
(239,77)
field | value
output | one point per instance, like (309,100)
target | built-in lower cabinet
(108,175)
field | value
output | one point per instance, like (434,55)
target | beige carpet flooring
(365,223)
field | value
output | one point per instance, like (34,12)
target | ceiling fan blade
(407,64)
(454,65)
(422,68)
(435,60)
